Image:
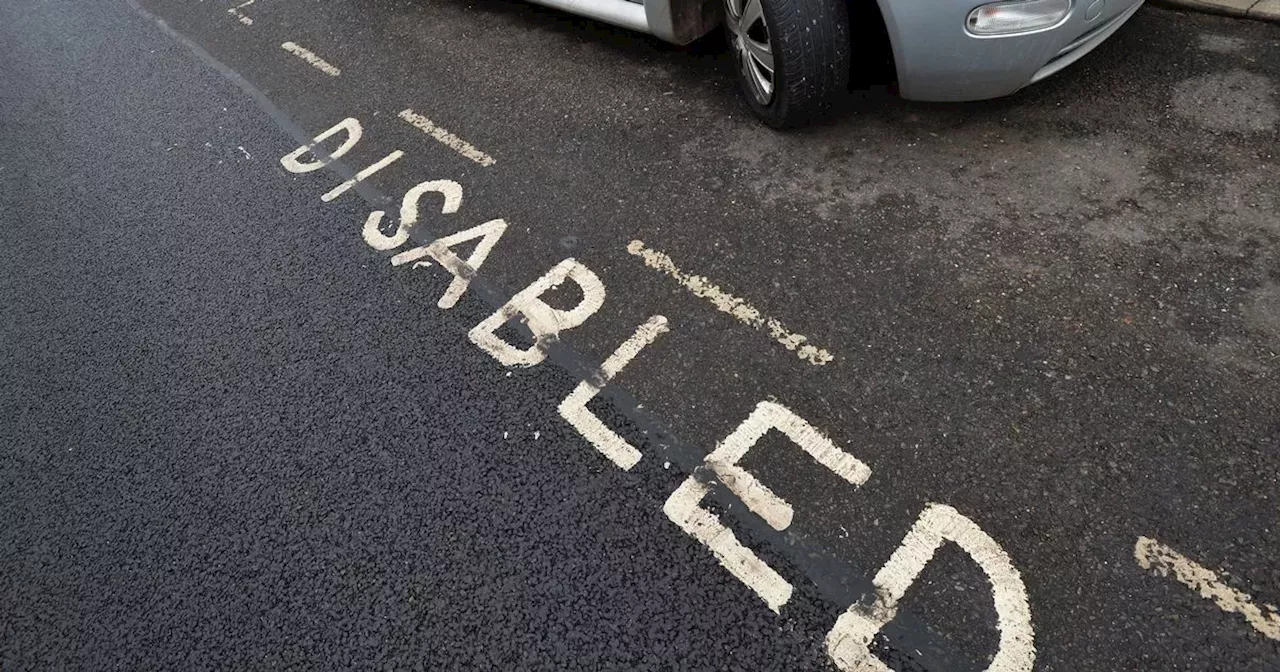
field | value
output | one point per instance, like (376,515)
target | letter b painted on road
(545,322)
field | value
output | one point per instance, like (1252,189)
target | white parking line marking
(1161,559)
(310,57)
(240,16)
(448,139)
(725,302)
(574,407)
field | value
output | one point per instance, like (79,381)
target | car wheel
(792,56)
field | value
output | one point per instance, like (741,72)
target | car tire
(791,56)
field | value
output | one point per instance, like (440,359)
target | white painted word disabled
(849,640)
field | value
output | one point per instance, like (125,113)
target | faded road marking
(544,322)
(240,16)
(310,57)
(574,407)
(448,139)
(362,175)
(684,506)
(728,303)
(1161,559)
(683,510)
(849,641)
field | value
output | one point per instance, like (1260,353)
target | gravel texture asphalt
(235,437)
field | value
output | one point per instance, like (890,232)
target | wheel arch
(682,21)
(872,47)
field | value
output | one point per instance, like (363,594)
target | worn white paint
(312,59)
(446,138)
(351,126)
(1155,556)
(489,234)
(759,498)
(574,407)
(372,232)
(849,641)
(545,322)
(362,175)
(684,509)
(240,16)
(725,302)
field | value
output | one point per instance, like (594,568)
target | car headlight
(1017,16)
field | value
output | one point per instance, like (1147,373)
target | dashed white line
(240,16)
(1155,556)
(310,57)
(446,138)
(725,302)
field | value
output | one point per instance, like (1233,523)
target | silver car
(796,56)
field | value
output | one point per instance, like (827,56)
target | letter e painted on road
(684,509)
(850,639)
(545,322)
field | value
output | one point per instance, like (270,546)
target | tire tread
(811,56)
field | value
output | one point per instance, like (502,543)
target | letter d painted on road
(293,164)
(849,641)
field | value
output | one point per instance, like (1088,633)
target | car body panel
(936,58)
(675,21)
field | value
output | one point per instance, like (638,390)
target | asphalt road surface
(987,385)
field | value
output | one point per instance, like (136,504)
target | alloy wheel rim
(752,46)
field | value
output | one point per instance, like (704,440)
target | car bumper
(937,59)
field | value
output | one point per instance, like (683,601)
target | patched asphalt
(237,438)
